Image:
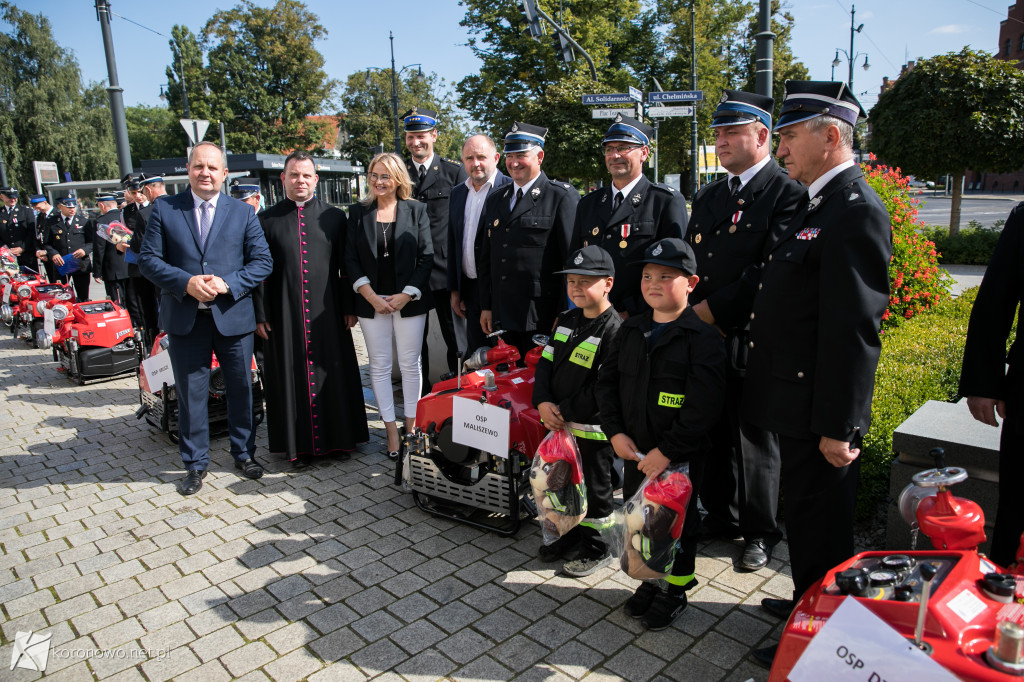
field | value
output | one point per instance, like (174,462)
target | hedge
(972,246)
(920,361)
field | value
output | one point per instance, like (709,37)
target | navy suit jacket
(236,251)
(457,227)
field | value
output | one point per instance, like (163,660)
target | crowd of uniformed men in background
(792,266)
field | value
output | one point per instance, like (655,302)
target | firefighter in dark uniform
(18,228)
(529,225)
(108,261)
(44,211)
(142,295)
(632,212)
(735,219)
(433,178)
(565,393)
(814,342)
(70,236)
(660,390)
(990,387)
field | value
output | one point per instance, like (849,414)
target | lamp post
(114,91)
(395,75)
(851,56)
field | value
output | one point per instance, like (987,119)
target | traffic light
(563,50)
(528,8)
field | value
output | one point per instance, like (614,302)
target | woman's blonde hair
(394,166)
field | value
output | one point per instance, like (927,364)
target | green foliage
(154,133)
(369,114)
(981,126)
(265,76)
(920,361)
(632,43)
(46,114)
(187,57)
(972,246)
(915,280)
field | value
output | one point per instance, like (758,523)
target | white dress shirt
(474,207)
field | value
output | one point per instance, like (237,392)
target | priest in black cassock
(304,313)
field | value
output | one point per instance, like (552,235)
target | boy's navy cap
(106,196)
(36,199)
(9,192)
(590,260)
(809,99)
(243,188)
(738,108)
(626,129)
(150,179)
(68,200)
(522,137)
(417,120)
(672,253)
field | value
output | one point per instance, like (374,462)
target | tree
(155,133)
(45,112)
(369,116)
(633,43)
(952,113)
(266,76)
(187,60)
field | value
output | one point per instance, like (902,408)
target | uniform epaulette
(559,183)
(452,161)
(663,187)
(852,195)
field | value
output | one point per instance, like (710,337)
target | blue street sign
(676,96)
(611,98)
(636,94)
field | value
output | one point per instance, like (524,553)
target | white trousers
(407,333)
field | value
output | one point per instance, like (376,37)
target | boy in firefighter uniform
(564,394)
(659,392)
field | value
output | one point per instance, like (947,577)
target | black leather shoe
(766,655)
(250,468)
(192,482)
(756,555)
(780,608)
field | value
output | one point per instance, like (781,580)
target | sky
(894,30)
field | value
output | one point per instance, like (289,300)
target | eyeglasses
(621,151)
(383,177)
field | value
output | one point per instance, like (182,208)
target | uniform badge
(657,250)
(535,192)
(514,128)
(635,199)
(414,112)
(732,228)
(578,259)
(696,240)
(496,222)
(618,118)
(596,231)
(808,233)
(739,201)
(814,203)
(725,98)
(604,198)
(854,196)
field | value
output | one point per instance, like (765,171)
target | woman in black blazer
(388,257)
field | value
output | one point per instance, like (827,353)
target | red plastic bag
(556,477)
(653,525)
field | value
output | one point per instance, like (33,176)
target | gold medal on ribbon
(732,228)
(595,231)
(495,222)
(622,244)
(696,240)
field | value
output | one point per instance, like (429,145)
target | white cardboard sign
(156,371)
(7,294)
(479,425)
(49,325)
(856,645)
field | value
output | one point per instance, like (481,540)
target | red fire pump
(30,298)
(91,340)
(159,403)
(953,603)
(448,479)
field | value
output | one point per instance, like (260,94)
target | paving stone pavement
(327,574)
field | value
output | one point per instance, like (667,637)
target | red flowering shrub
(915,281)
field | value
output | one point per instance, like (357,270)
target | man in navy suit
(465,211)
(206,253)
